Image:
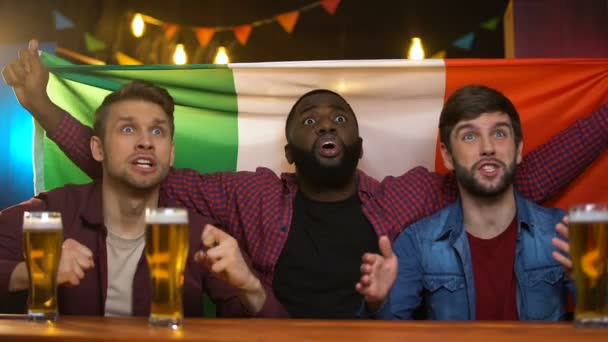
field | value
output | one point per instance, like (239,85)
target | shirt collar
(453,226)
(93,208)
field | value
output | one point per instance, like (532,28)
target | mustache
(332,176)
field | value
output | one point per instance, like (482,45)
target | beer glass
(588,238)
(166,251)
(42,239)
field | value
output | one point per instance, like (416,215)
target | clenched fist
(75,260)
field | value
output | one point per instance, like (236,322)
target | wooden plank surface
(134,329)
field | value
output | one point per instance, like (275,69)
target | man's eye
(157,131)
(340,119)
(468,137)
(309,121)
(128,129)
(500,134)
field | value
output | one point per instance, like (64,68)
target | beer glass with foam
(166,252)
(588,238)
(42,239)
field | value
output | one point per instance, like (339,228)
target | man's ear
(519,152)
(288,154)
(97,148)
(446,155)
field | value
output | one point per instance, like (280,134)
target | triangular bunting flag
(439,54)
(125,59)
(61,21)
(93,44)
(491,24)
(242,33)
(465,42)
(288,20)
(330,5)
(170,30)
(204,35)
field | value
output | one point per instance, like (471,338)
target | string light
(416,51)
(138,26)
(179,56)
(221,57)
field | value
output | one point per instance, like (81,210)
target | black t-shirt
(317,271)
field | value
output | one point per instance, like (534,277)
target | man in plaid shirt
(306,232)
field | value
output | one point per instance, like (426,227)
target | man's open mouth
(329,146)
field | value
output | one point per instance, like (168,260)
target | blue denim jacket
(435,267)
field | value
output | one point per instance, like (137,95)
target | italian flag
(232,117)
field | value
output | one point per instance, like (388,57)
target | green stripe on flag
(206,125)
(80,100)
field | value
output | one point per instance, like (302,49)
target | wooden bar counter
(15,328)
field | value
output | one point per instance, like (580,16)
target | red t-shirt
(493,268)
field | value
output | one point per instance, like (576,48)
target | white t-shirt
(123,257)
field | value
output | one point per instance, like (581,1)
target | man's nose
(145,142)
(326,125)
(487,146)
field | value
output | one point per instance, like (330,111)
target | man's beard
(310,168)
(466,179)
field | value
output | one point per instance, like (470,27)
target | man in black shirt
(316,274)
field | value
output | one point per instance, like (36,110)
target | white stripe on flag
(397,104)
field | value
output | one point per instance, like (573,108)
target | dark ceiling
(360,29)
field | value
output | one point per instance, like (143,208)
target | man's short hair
(468,103)
(311,93)
(136,90)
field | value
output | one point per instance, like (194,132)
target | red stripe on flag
(549,95)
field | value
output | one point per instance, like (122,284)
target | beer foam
(589,216)
(42,222)
(167,215)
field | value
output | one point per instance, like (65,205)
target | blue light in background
(16,128)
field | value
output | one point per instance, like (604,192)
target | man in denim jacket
(489,255)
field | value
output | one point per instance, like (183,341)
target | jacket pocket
(446,297)
(550,275)
(451,283)
(544,293)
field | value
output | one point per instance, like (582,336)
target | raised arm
(29,79)
(550,167)
(543,172)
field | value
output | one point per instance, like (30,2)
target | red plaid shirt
(257,207)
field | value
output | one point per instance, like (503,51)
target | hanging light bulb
(179,56)
(416,51)
(221,57)
(138,26)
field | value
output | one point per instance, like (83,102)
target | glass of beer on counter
(167,234)
(42,239)
(588,238)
